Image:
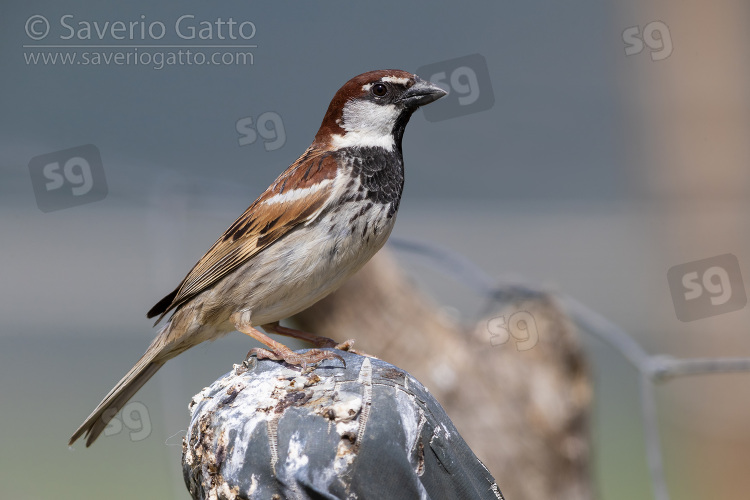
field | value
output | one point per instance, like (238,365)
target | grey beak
(421,93)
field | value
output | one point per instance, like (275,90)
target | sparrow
(319,222)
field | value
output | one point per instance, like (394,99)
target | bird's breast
(311,261)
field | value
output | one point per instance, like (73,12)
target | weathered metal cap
(366,431)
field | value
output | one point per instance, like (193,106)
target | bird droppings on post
(367,430)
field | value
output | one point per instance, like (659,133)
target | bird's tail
(125,389)
(160,350)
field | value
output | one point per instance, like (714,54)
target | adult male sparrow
(316,225)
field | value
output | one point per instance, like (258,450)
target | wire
(651,368)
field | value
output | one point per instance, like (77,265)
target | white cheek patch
(362,116)
(367,124)
(395,79)
(296,194)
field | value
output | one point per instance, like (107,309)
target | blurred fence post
(515,384)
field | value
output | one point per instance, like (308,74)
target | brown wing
(276,212)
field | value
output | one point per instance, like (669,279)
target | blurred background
(589,147)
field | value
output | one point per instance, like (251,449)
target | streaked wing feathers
(296,197)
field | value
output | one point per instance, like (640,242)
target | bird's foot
(285,354)
(319,341)
(347,346)
(316,340)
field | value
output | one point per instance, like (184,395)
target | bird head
(372,109)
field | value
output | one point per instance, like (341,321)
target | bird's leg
(278,351)
(316,340)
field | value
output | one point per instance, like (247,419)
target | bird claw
(347,346)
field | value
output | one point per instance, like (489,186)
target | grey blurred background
(614,147)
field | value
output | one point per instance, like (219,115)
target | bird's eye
(379,90)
